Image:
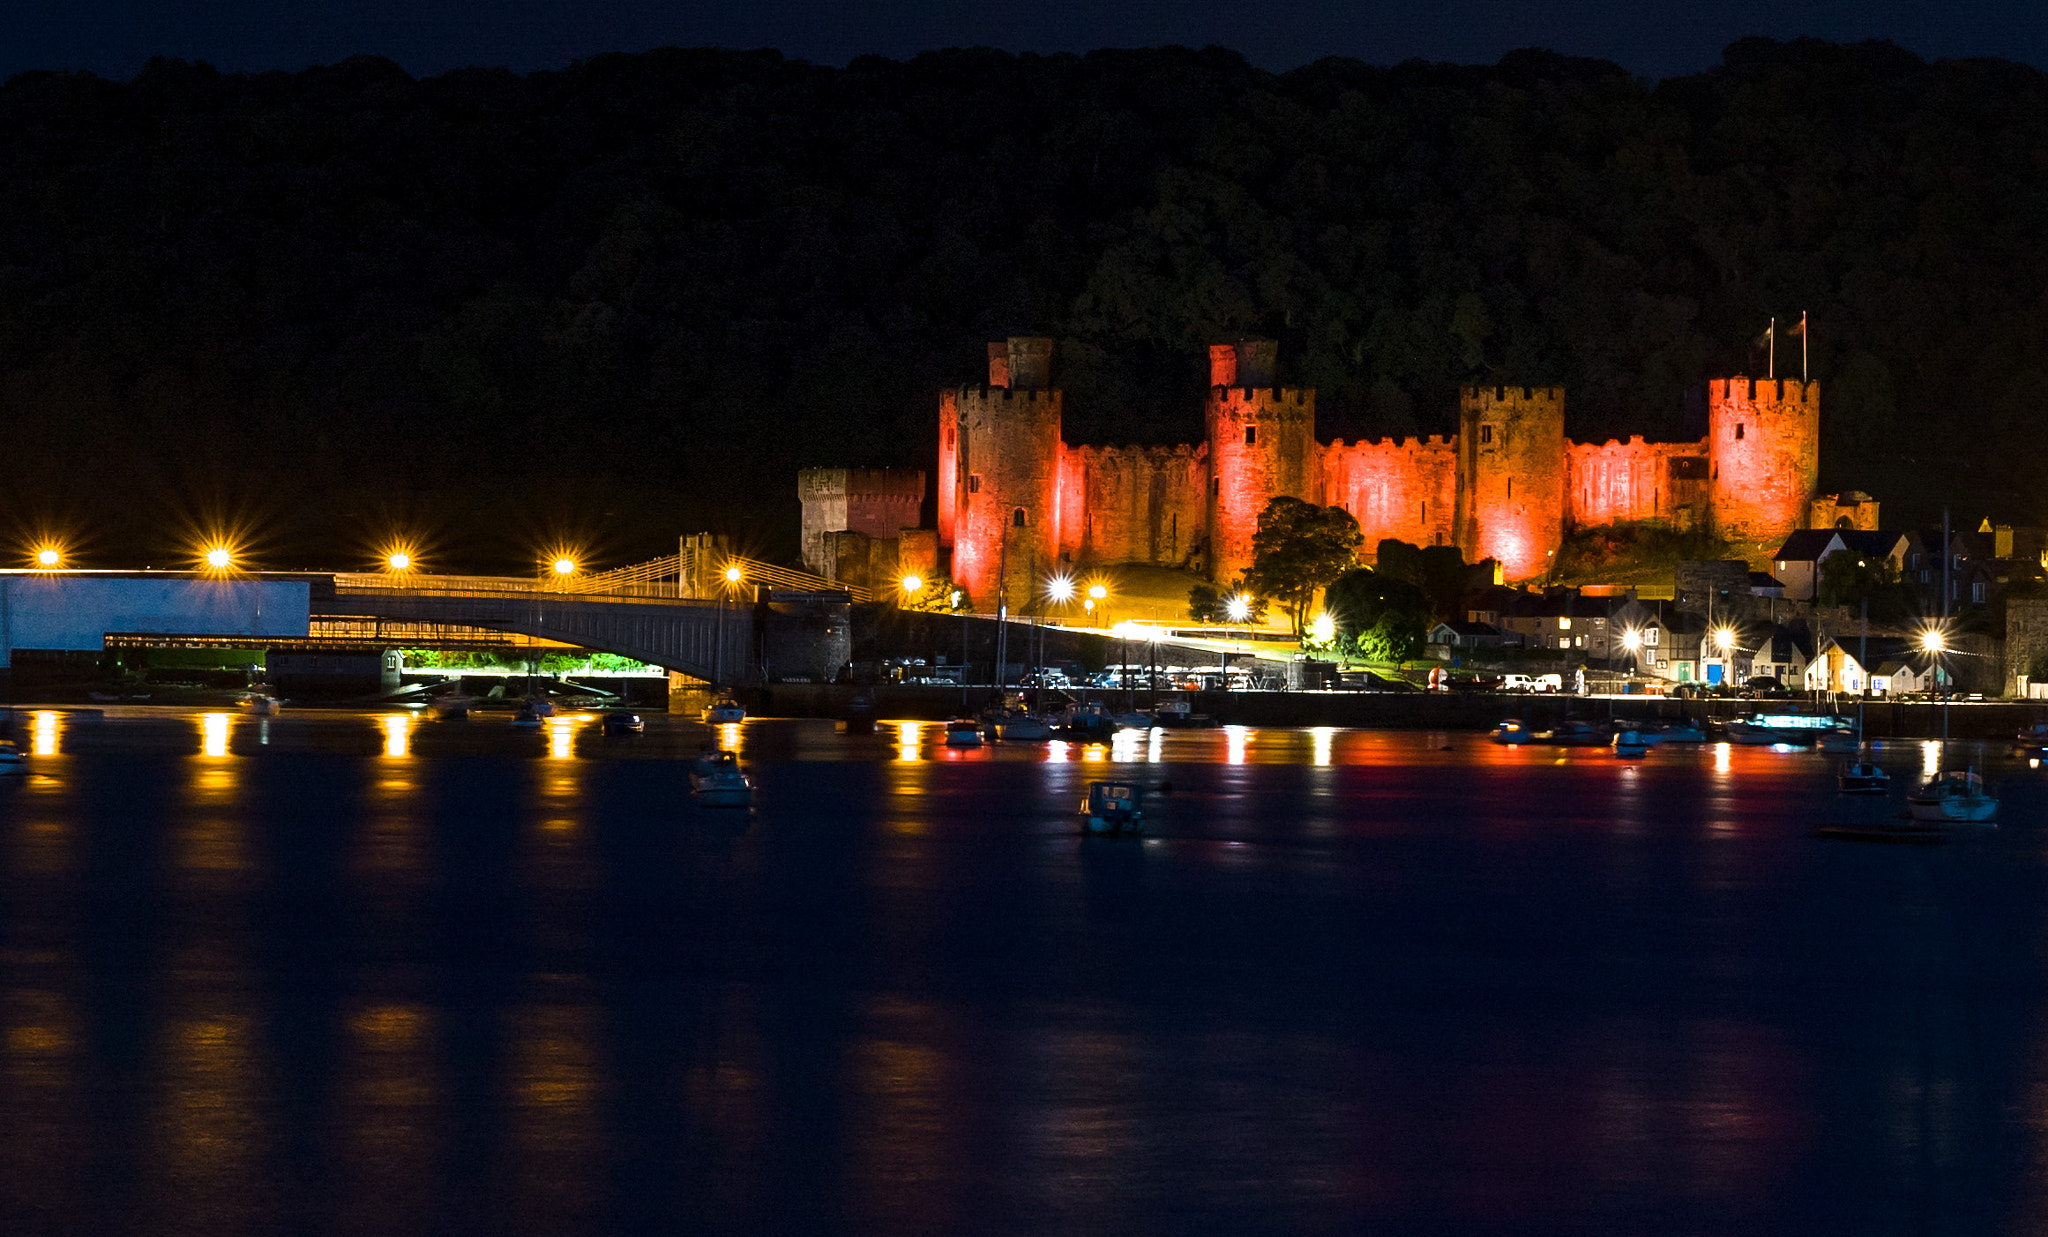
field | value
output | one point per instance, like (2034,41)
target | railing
(656,578)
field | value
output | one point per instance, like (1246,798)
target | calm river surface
(357,973)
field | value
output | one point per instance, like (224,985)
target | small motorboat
(622,723)
(1086,723)
(1629,745)
(1134,720)
(716,781)
(860,714)
(1180,715)
(1113,807)
(1573,734)
(1657,734)
(2033,739)
(12,761)
(452,708)
(724,711)
(1022,728)
(1860,777)
(963,732)
(1954,798)
(530,714)
(1514,733)
(264,705)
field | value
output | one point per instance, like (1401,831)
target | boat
(622,723)
(2033,739)
(12,762)
(265,705)
(530,714)
(723,711)
(1954,797)
(1087,723)
(1793,729)
(1180,715)
(1657,734)
(1134,720)
(1113,807)
(716,780)
(963,732)
(1573,734)
(1629,745)
(1860,777)
(452,708)
(1022,728)
(860,714)
(1514,733)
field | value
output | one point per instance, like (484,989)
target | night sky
(1655,38)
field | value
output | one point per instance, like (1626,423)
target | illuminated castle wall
(1016,503)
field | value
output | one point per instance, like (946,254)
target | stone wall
(1636,482)
(1404,489)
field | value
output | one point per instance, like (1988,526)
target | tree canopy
(631,298)
(1298,549)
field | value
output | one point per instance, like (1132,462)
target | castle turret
(1262,445)
(1511,476)
(1005,518)
(1763,455)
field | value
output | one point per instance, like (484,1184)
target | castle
(1017,504)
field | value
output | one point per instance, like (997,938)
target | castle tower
(1511,476)
(1262,445)
(1763,455)
(1004,476)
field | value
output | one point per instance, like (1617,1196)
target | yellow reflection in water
(1152,745)
(213,733)
(557,1138)
(397,729)
(1723,757)
(210,1132)
(44,727)
(1930,757)
(562,737)
(1056,750)
(387,1098)
(1235,738)
(906,742)
(1123,745)
(729,737)
(1093,752)
(1321,736)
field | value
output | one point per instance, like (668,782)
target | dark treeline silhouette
(629,299)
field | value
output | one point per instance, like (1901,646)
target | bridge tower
(1511,477)
(1005,476)
(1262,446)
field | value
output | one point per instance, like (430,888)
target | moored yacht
(1861,777)
(1954,797)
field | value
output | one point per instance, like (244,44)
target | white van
(1532,683)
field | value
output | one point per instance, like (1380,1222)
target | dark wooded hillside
(630,299)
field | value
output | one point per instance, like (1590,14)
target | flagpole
(1805,342)
(1771,336)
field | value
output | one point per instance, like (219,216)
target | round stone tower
(1262,445)
(1511,476)
(1763,455)
(1006,477)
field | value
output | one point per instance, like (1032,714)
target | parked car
(1765,687)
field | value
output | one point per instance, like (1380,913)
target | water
(351,973)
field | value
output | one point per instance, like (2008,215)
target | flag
(1799,331)
(1764,340)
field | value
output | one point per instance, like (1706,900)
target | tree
(1846,580)
(1209,604)
(1379,617)
(1299,549)
(1440,571)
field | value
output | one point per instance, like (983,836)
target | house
(1466,635)
(1560,620)
(1798,561)
(1888,665)
(1783,653)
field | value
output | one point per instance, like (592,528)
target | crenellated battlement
(1506,485)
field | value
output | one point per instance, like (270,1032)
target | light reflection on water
(1357,979)
(45,725)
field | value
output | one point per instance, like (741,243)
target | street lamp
(1934,642)
(1239,609)
(1322,628)
(1060,589)
(49,558)
(565,566)
(913,584)
(219,558)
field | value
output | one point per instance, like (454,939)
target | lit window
(1564,624)
(1650,636)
